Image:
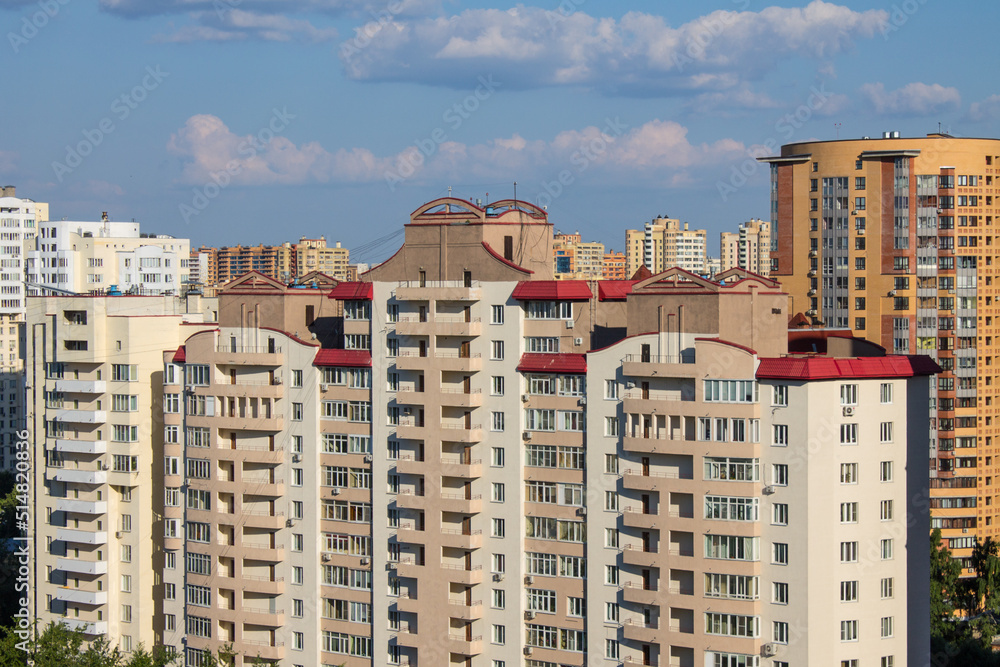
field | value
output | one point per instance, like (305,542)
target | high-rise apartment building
(576,259)
(892,237)
(314,255)
(96,421)
(664,243)
(286,262)
(91,257)
(749,248)
(614,266)
(459,460)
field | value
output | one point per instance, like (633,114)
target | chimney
(8,191)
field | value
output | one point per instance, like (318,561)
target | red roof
(553,290)
(179,356)
(614,290)
(352,292)
(348,358)
(509,263)
(828,368)
(553,363)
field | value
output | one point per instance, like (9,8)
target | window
(779,593)
(848,434)
(848,512)
(848,473)
(885,392)
(731,625)
(611,464)
(611,426)
(779,395)
(779,633)
(611,501)
(885,471)
(888,661)
(611,538)
(296,412)
(886,510)
(779,514)
(498,457)
(496,315)
(611,389)
(498,528)
(886,548)
(849,591)
(496,350)
(498,493)
(499,563)
(779,474)
(848,394)
(729,508)
(887,588)
(130,373)
(497,386)
(730,391)
(611,649)
(848,552)
(780,437)
(885,432)
(499,598)
(848,631)
(576,607)
(497,421)
(499,634)
(779,553)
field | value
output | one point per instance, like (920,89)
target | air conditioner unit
(767,490)
(326,557)
(861,231)
(366,561)
(529,615)
(630,385)
(581,511)
(528,650)
(811,312)
(407,411)
(569,324)
(848,411)
(336,491)
(368,458)
(529,580)
(524,398)
(527,435)
(296,458)
(965,530)
(289,523)
(323,386)
(104,466)
(119,534)
(578,341)
(892,292)
(769,649)
(498,576)
(277,381)
(582,401)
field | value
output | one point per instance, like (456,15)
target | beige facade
(459,460)
(96,423)
(576,259)
(314,255)
(664,243)
(891,237)
(749,248)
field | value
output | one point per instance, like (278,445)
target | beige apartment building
(893,238)
(664,243)
(95,418)
(459,460)
(576,259)
(314,255)
(749,248)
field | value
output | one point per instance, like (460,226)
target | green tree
(945,590)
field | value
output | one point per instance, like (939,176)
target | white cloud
(638,54)
(141,8)
(237,24)
(657,151)
(988,109)
(731,102)
(912,99)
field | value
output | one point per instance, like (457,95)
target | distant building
(92,257)
(664,243)
(614,266)
(285,262)
(713,265)
(576,259)
(749,248)
(314,255)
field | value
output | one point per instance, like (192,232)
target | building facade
(891,237)
(664,243)
(459,460)
(576,259)
(749,248)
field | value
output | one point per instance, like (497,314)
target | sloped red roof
(553,290)
(346,358)
(614,290)
(509,263)
(828,368)
(179,356)
(356,291)
(533,362)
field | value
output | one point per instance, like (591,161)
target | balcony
(263,487)
(460,575)
(81,536)
(640,480)
(462,433)
(408,500)
(78,416)
(260,552)
(260,616)
(266,650)
(459,398)
(91,567)
(262,519)
(636,593)
(454,502)
(633,517)
(459,539)
(259,584)
(440,290)
(635,555)
(648,633)
(81,506)
(465,612)
(86,627)
(80,596)
(439,325)
(79,386)
(248,355)
(249,423)
(81,446)
(465,646)
(245,388)
(662,442)
(456,466)
(441,360)
(76,476)
(646,365)
(409,567)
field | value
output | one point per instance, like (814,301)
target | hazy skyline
(227,122)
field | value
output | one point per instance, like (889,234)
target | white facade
(91,257)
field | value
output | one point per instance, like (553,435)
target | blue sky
(249,121)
